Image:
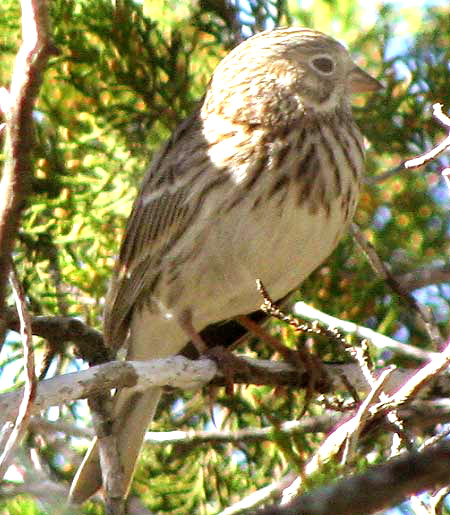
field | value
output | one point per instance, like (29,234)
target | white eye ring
(322,64)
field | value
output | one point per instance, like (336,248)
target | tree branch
(419,415)
(380,341)
(417,162)
(26,405)
(176,371)
(17,106)
(381,487)
(183,373)
(424,313)
(89,342)
(422,277)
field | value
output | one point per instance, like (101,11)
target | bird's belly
(279,247)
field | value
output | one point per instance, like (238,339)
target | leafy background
(127,73)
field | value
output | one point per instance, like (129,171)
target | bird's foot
(228,363)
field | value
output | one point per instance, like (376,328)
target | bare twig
(319,424)
(30,377)
(377,391)
(362,415)
(421,378)
(344,437)
(420,415)
(259,497)
(368,411)
(380,269)
(425,158)
(446,174)
(380,341)
(17,106)
(403,395)
(270,307)
(434,274)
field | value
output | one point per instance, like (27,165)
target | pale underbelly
(280,254)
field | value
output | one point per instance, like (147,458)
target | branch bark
(180,372)
(379,488)
(421,277)
(88,341)
(17,106)
(26,405)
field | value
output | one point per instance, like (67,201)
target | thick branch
(380,487)
(89,342)
(17,107)
(179,372)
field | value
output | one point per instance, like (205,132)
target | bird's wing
(161,212)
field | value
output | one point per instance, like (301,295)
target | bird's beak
(362,82)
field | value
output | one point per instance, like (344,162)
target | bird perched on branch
(260,182)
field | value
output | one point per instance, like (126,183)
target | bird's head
(276,75)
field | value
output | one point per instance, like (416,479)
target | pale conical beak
(362,82)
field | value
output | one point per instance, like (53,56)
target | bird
(260,182)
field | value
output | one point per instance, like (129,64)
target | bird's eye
(323,64)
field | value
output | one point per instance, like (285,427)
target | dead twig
(381,269)
(313,328)
(420,379)
(29,392)
(417,162)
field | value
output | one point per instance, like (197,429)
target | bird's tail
(132,414)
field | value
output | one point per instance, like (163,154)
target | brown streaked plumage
(260,182)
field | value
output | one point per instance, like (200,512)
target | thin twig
(259,497)
(380,269)
(423,159)
(421,378)
(270,307)
(359,420)
(317,424)
(380,341)
(30,388)
(446,174)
